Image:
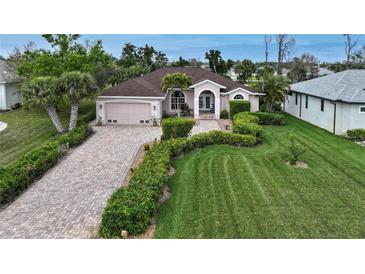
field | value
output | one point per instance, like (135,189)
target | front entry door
(205,102)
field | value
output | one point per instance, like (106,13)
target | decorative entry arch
(206,101)
(207,86)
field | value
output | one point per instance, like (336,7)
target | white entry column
(217,106)
(196,105)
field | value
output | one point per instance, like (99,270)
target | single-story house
(9,92)
(140,100)
(335,102)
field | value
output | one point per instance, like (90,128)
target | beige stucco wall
(255,103)
(224,102)
(254,99)
(166,104)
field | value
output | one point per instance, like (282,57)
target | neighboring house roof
(324,71)
(7,74)
(347,86)
(149,85)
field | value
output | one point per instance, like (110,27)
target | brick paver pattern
(68,201)
(204,126)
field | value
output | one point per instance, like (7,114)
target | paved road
(68,201)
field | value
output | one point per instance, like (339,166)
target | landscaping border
(132,208)
(19,175)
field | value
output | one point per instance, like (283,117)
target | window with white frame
(177,99)
(238,97)
(362,109)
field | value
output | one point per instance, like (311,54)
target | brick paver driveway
(68,201)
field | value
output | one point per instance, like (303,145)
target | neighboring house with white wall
(9,92)
(140,100)
(335,102)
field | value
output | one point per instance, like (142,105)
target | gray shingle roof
(324,71)
(7,74)
(347,86)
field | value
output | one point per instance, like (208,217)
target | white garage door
(128,113)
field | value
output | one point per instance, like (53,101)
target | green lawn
(28,129)
(229,192)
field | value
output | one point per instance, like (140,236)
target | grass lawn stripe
(265,198)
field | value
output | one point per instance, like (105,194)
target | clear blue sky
(237,47)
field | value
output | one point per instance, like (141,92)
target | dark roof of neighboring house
(7,74)
(346,86)
(149,85)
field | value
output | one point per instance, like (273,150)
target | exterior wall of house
(9,95)
(255,104)
(12,95)
(2,97)
(254,100)
(347,115)
(155,104)
(189,99)
(313,114)
(215,89)
(224,102)
(351,117)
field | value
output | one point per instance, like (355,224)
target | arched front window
(239,97)
(177,99)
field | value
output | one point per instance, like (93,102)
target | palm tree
(276,88)
(176,80)
(76,86)
(43,91)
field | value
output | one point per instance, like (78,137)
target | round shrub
(242,127)
(176,127)
(357,134)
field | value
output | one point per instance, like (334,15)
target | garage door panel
(128,113)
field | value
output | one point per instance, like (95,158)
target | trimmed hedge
(18,176)
(270,118)
(176,127)
(246,123)
(242,127)
(246,117)
(357,134)
(236,106)
(132,208)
